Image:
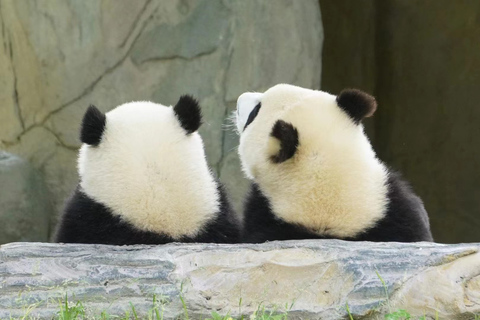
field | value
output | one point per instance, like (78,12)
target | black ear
(187,110)
(357,104)
(93,125)
(288,136)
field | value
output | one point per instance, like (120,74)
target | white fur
(245,104)
(334,184)
(150,172)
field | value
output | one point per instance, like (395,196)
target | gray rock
(267,51)
(63,56)
(200,33)
(24,206)
(315,279)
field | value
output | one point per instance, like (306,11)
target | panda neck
(330,200)
(177,202)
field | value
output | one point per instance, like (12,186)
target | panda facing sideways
(144,179)
(314,173)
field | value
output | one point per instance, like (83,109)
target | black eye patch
(253,115)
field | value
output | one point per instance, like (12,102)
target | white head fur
(150,171)
(333,184)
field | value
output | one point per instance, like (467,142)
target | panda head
(146,162)
(307,152)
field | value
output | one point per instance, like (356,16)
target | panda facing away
(144,179)
(315,174)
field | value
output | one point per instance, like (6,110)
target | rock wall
(25,206)
(313,279)
(60,56)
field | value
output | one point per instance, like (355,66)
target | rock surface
(319,277)
(59,57)
(24,202)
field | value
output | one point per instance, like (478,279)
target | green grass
(350,316)
(77,311)
(69,310)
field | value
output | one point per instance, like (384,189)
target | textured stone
(268,50)
(317,278)
(11,121)
(60,57)
(24,203)
(229,168)
(200,34)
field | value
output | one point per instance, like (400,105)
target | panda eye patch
(253,115)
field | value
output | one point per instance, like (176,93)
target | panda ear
(357,104)
(287,134)
(93,126)
(187,110)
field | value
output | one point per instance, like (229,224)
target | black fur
(188,113)
(252,115)
(405,220)
(87,221)
(93,125)
(357,104)
(288,136)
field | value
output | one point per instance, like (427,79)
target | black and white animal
(144,179)
(315,174)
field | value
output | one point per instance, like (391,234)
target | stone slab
(315,279)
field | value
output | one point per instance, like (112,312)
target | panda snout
(245,105)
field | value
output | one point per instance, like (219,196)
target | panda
(314,173)
(144,179)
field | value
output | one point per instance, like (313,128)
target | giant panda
(314,173)
(144,179)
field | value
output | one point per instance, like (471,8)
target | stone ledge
(318,276)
